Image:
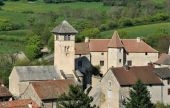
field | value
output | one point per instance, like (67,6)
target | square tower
(64,47)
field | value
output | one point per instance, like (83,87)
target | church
(71,59)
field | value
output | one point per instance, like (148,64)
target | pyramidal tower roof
(115,42)
(64,28)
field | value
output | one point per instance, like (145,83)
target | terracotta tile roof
(129,77)
(82,48)
(131,45)
(18,104)
(98,45)
(51,89)
(4,92)
(163,59)
(115,42)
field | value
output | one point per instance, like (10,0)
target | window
(120,49)
(168,81)
(129,62)
(66,37)
(120,60)
(146,53)
(168,91)
(101,63)
(102,53)
(127,53)
(80,63)
(110,85)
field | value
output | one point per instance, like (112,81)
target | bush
(7,26)
(125,22)
(161,105)
(91,33)
(33,47)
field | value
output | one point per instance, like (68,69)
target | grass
(12,41)
(139,31)
(40,7)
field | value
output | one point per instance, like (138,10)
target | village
(105,68)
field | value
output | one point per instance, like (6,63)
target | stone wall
(140,59)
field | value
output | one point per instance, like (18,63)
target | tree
(33,47)
(1,2)
(139,97)
(75,98)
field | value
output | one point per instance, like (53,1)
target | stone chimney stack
(138,39)
(86,39)
(30,105)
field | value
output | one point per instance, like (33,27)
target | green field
(139,31)
(40,7)
(21,11)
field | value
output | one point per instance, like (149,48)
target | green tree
(75,98)
(1,2)
(33,47)
(139,97)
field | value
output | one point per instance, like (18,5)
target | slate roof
(4,92)
(130,77)
(163,73)
(164,59)
(34,73)
(63,28)
(82,48)
(51,89)
(115,42)
(23,103)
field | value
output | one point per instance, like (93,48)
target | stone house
(45,93)
(5,95)
(163,61)
(21,76)
(114,87)
(164,74)
(118,52)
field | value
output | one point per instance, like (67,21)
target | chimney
(126,67)
(30,105)
(86,39)
(138,39)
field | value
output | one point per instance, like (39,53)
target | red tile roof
(98,45)
(130,77)
(18,104)
(132,46)
(4,92)
(51,89)
(82,48)
(163,59)
(115,42)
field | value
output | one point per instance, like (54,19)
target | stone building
(21,76)
(114,87)
(45,93)
(164,74)
(118,52)
(163,61)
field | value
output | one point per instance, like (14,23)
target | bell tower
(64,47)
